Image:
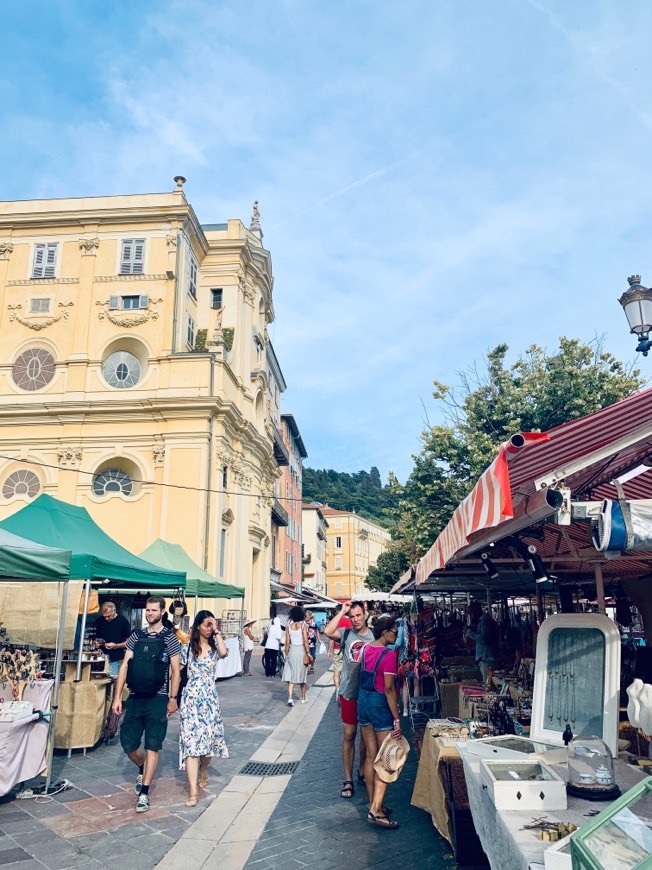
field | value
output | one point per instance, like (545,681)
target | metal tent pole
(599,587)
(82,630)
(58,658)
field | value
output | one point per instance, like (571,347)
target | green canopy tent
(95,555)
(27,561)
(198,582)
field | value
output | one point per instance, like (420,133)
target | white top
(247,643)
(274,636)
(296,635)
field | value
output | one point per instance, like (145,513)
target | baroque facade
(134,377)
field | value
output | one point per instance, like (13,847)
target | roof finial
(254,226)
(180,180)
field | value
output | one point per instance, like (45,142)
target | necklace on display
(571,677)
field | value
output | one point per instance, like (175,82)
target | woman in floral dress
(201,731)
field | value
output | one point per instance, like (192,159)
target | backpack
(147,670)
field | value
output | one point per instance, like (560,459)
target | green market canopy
(21,559)
(95,555)
(198,581)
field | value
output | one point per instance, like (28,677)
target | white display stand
(523,785)
(513,746)
(576,679)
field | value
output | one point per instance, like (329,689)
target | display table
(81,714)
(23,743)
(232,664)
(503,841)
(431,787)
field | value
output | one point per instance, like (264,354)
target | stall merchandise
(23,741)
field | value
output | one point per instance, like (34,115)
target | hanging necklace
(571,677)
(551,687)
(558,676)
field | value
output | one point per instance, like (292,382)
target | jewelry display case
(576,680)
(620,837)
(558,856)
(513,746)
(591,770)
(523,785)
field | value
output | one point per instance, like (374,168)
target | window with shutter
(192,277)
(191,333)
(39,306)
(45,260)
(216,298)
(114,303)
(129,302)
(132,258)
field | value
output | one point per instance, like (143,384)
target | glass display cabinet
(591,770)
(620,837)
(576,679)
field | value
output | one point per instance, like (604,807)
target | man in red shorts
(351,640)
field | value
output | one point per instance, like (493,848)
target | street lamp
(637,305)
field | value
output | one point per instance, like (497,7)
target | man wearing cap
(351,640)
(248,641)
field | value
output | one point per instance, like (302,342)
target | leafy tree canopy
(362,492)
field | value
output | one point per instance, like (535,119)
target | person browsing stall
(151,655)
(112,632)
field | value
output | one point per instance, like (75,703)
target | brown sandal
(382,821)
(192,800)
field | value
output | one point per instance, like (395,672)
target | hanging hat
(250,622)
(391,757)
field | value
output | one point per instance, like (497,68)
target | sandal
(192,800)
(360,777)
(348,790)
(202,782)
(381,821)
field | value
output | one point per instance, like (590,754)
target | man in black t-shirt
(148,714)
(113,630)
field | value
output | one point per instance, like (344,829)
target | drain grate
(257,768)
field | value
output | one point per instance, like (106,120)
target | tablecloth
(232,664)
(431,786)
(504,843)
(23,743)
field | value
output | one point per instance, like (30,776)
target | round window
(112,480)
(21,482)
(34,369)
(121,370)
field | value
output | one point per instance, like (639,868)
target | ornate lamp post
(637,305)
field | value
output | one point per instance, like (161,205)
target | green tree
(537,392)
(389,567)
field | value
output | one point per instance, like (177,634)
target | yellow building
(313,547)
(133,375)
(353,546)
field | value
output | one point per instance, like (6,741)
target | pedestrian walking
(378,712)
(201,730)
(272,646)
(351,640)
(248,641)
(297,654)
(150,655)
(313,638)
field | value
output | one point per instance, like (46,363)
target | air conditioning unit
(612,534)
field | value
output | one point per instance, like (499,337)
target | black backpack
(147,671)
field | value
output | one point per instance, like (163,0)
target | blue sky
(434,176)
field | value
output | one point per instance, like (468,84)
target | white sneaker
(142,804)
(303,700)
(290,702)
(139,783)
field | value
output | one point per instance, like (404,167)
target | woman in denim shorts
(378,713)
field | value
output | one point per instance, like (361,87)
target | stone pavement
(94,823)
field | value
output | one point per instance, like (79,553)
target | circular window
(21,482)
(112,480)
(34,369)
(121,370)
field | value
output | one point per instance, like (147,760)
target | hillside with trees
(362,492)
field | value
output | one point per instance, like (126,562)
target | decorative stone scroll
(6,247)
(158,453)
(37,322)
(89,247)
(128,318)
(69,456)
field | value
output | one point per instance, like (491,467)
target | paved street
(262,822)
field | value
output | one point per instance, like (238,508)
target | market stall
(28,703)
(560,519)
(201,584)
(96,560)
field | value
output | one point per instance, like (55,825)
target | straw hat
(391,757)
(251,622)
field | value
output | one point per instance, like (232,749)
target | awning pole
(82,630)
(599,587)
(196,604)
(58,658)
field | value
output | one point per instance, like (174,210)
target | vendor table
(504,843)
(232,664)
(23,743)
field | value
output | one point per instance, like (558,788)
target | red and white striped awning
(585,454)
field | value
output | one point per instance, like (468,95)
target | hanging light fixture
(637,305)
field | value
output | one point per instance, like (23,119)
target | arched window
(21,482)
(121,370)
(112,480)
